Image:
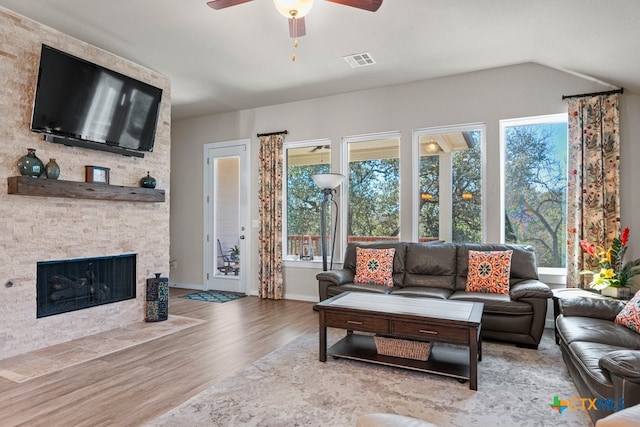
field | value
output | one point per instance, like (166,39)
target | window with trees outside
(535,185)
(450,183)
(303,198)
(373,178)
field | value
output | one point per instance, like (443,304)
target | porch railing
(295,242)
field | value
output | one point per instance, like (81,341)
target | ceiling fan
(320,147)
(296,10)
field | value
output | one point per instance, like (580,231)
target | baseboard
(295,297)
(194,286)
(299,297)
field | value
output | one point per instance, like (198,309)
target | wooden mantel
(27,186)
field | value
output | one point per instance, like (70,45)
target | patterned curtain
(270,214)
(593,205)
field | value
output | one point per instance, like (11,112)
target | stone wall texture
(36,229)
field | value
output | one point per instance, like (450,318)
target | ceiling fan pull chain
(295,31)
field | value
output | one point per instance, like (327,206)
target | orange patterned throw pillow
(489,272)
(630,314)
(374,266)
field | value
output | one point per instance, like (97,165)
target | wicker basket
(416,350)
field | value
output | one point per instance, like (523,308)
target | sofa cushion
(494,303)
(574,329)
(489,272)
(606,309)
(364,287)
(374,266)
(398,259)
(430,265)
(630,314)
(423,292)
(523,261)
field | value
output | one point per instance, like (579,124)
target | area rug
(214,296)
(41,362)
(290,387)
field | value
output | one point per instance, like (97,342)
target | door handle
(242,237)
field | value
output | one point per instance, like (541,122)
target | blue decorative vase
(30,165)
(148,181)
(52,170)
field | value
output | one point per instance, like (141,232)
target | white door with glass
(226,215)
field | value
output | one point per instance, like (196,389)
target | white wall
(481,97)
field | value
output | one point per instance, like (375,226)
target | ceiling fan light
(301,7)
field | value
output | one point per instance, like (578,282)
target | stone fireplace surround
(33,229)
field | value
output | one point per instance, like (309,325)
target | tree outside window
(374,189)
(535,185)
(303,197)
(450,182)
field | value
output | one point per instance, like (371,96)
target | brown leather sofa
(440,271)
(602,357)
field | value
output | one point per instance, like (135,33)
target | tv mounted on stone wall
(79,103)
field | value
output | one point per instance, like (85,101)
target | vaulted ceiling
(240,57)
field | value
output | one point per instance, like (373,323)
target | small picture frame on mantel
(96,174)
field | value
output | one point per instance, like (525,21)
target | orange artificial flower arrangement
(612,272)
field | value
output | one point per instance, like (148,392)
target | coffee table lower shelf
(447,360)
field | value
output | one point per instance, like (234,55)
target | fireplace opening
(69,285)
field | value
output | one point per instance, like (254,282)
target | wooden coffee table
(450,325)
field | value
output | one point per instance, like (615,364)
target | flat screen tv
(82,104)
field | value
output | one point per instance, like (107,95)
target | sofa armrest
(623,363)
(530,289)
(597,308)
(336,277)
(333,278)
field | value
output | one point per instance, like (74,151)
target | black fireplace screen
(69,285)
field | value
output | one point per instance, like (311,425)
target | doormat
(214,296)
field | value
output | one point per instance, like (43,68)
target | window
(450,183)
(373,177)
(535,185)
(303,198)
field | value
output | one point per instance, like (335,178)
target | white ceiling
(240,57)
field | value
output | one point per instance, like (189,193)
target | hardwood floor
(138,384)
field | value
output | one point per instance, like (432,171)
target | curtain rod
(282,132)
(607,92)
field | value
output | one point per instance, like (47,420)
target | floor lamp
(327,182)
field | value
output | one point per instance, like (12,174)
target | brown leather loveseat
(602,357)
(440,271)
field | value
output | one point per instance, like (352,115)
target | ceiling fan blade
(297,28)
(221,4)
(370,5)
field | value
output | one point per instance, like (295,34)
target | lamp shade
(327,180)
(301,7)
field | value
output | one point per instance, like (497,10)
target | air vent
(359,60)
